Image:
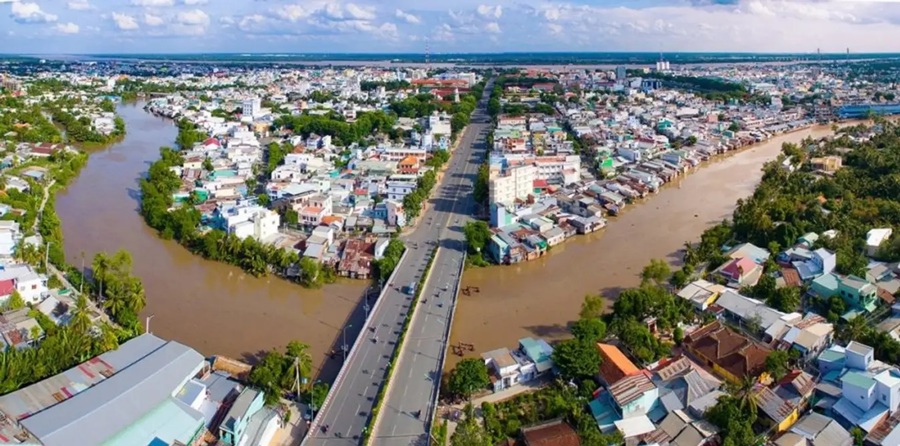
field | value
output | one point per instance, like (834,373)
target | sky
(447,26)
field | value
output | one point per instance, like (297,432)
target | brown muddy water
(210,306)
(541,297)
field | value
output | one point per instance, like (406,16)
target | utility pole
(81,287)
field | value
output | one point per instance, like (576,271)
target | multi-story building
(508,185)
(251,107)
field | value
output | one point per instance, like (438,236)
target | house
(821,261)
(810,336)
(740,272)
(829,164)
(749,251)
(749,311)
(869,389)
(874,239)
(539,352)
(857,293)
(9,237)
(683,429)
(634,395)
(503,367)
(731,355)
(816,429)
(30,285)
(19,330)
(237,419)
(796,387)
(681,382)
(614,364)
(701,293)
(779,413)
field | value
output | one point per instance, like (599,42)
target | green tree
(15,301)
(478,234)
(576,359)
(657,272)
(208,165)
(469,431)
(592,307)
(678,335)
(589,330)
(468,377)
(777,364)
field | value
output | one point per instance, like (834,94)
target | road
(417,378)
(347,410)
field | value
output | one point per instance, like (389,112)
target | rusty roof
(551,433)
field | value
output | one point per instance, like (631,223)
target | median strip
(398,349)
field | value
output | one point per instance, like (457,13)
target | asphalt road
(417,378)
(349,405)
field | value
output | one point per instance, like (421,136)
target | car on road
(411,289)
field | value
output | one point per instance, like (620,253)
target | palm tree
(746,393)
(854,329)
(100,266)
(81,320)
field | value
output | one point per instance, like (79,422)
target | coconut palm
(81,319)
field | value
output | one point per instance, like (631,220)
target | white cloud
(79,5)
(492,27)
(67,28)
(407,17)
(153,3)
(153,20)
(124,22)
(25,12)
(292,13)
(195,2)
(250,23)
(357,12)
(489,11)
(194,17)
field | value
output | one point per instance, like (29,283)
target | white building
(439,124)
(30,285)
(253,221)
(9,237)
(515,183)
(251,107)
(397,190)
(874,239)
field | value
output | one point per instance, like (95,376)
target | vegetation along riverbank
(74,319)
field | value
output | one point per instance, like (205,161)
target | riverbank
(541,297)
(211,306)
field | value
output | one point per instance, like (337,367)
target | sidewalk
(296,428)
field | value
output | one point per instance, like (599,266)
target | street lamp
(344,346)
(147,323)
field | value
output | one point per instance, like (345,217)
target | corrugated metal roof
(116,403)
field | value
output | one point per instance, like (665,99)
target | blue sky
(167,26)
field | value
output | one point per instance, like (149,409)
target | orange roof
(311,210)
(409,159)
(615,365)
(329,219)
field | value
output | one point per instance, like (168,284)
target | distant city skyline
(473,26)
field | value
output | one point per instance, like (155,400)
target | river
(541,297)
(210,306)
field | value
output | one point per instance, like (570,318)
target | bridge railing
(448,327)
(356,342)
